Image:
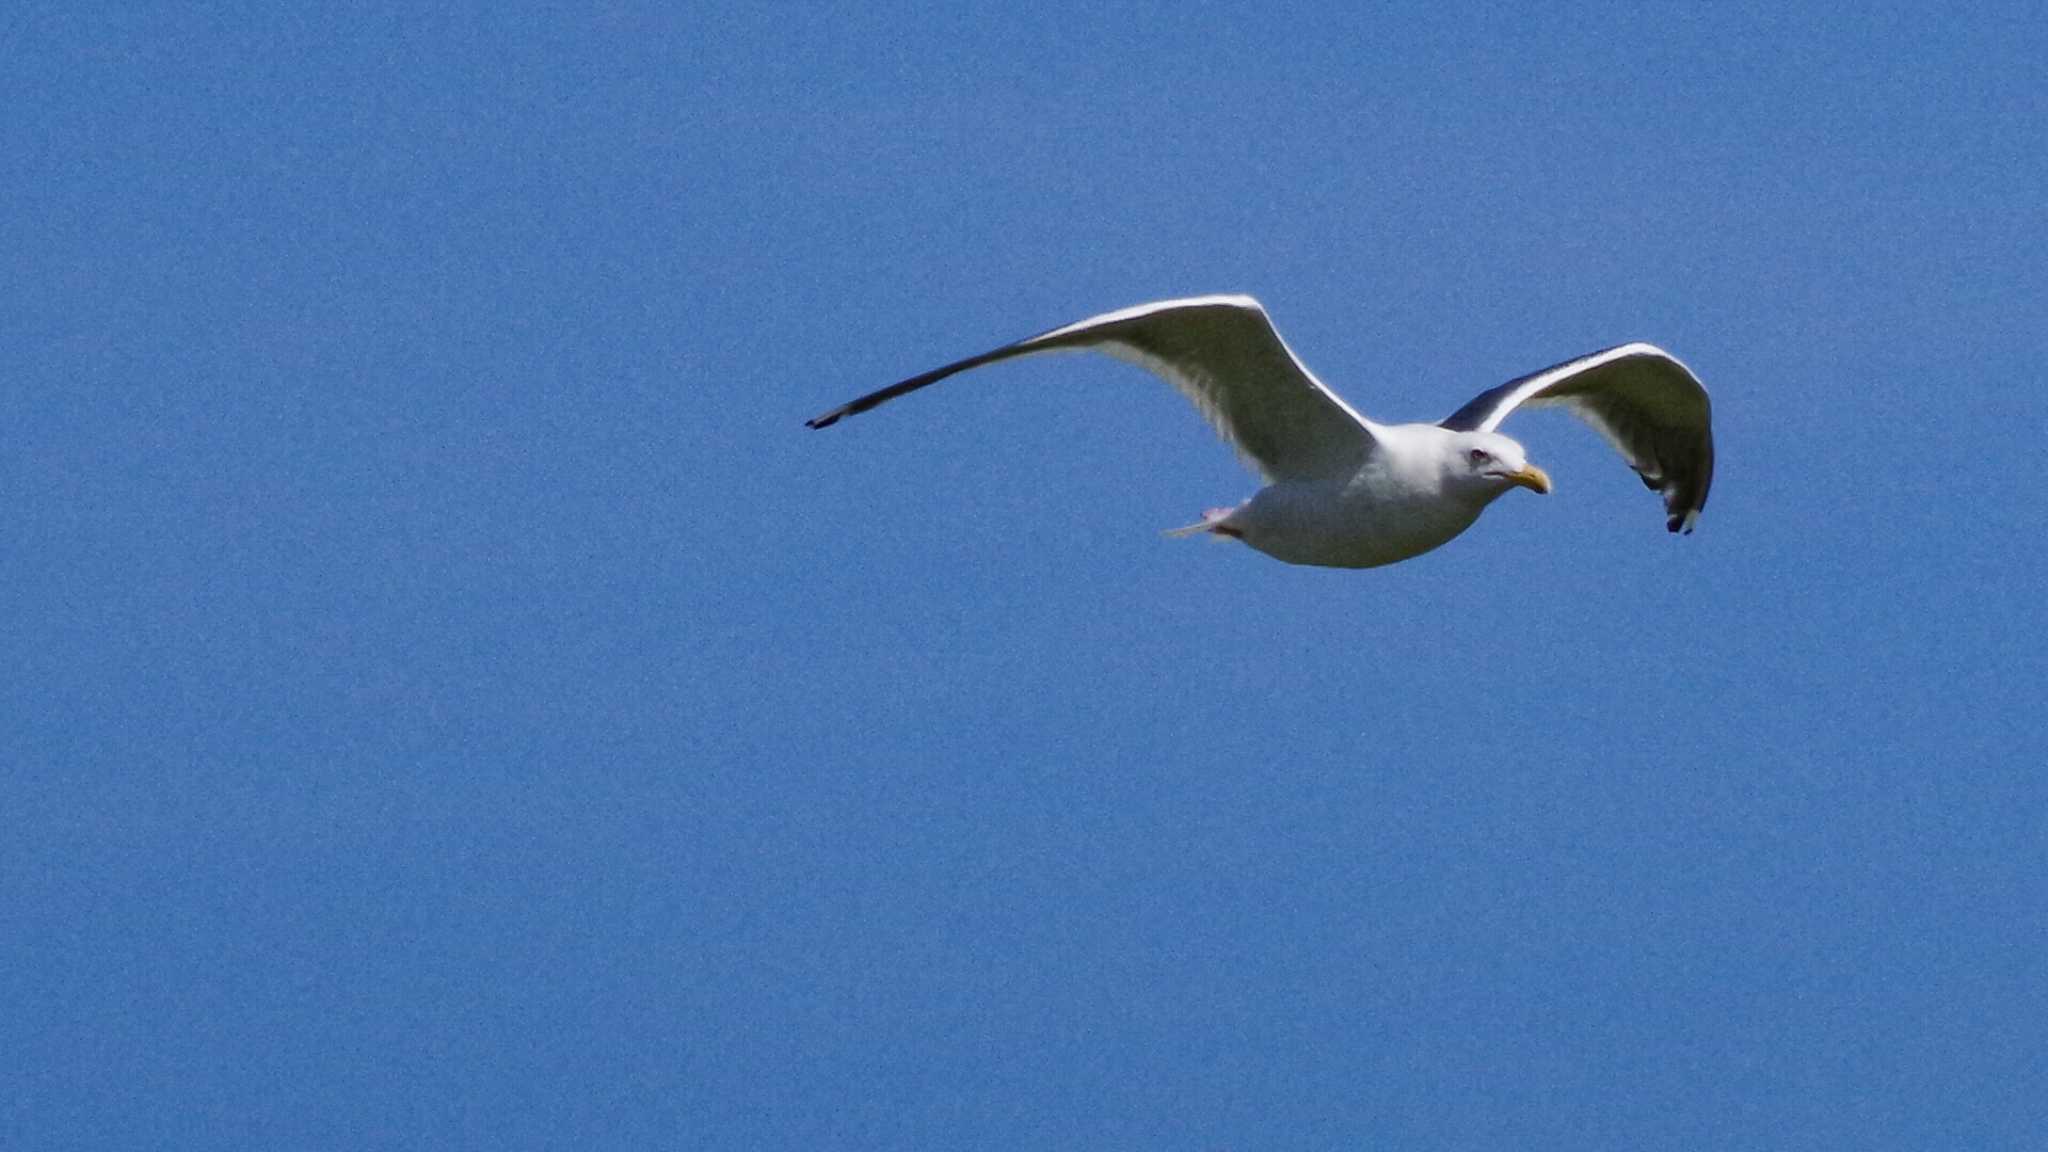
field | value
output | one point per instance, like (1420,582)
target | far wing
(1641,399)
(1223,354)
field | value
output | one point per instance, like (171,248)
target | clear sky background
(450,700)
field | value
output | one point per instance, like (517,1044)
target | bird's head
(1491,463)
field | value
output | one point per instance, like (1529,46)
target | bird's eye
(1480,455)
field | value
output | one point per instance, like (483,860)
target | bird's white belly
(1348,526)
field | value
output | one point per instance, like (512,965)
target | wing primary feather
(903,387)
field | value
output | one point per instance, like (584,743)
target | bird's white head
(1489,463)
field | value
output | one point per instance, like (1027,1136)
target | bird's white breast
(1351,525)
(1395,506)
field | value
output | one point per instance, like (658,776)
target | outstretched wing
(1648,405)
(1223,354)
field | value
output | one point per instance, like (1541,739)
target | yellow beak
(1533,478)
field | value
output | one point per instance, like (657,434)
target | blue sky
(451,701)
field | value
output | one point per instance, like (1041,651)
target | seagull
(1343,491)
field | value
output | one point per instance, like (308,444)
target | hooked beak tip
(1533,478)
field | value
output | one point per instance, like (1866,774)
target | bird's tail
(1214,520)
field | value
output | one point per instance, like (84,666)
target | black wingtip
(825,421)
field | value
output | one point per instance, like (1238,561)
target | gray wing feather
(1641,399)
(1224,355)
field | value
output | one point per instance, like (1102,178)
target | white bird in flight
(1343,491)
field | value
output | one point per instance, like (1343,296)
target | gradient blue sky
(451,701)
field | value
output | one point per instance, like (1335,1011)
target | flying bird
(1343,491)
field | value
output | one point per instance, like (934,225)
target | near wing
(1647,404)
(1222,353)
